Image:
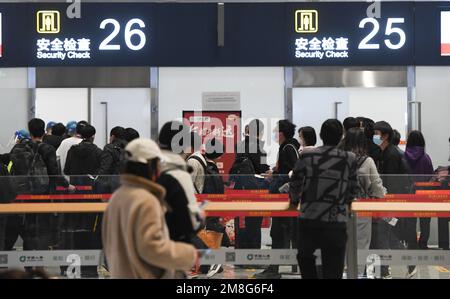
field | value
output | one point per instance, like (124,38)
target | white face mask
(275,136)
(377,140)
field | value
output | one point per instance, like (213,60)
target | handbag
(211,238)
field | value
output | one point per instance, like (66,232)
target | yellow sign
(306,21)
(47,21)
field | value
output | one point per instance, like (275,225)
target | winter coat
(53,140)
(287,156)
(324,180)
(370,180)
(198,171)
(135,236)
(394,171)
(253,148)
(83,165)
(83,159)
(47,152)
(112,158)
(184,218)
(418,161)
(63,149)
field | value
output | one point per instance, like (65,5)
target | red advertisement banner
(222,125)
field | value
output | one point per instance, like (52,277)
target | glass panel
(394,234)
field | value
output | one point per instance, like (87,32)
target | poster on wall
(222,125)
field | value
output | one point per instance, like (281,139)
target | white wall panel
(62,104)
(433,90)
(261,92)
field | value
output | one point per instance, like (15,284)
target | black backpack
(242,166)
(213,183)
(242,173)
(213,180)
(8,190)
(29,166)
(119,159)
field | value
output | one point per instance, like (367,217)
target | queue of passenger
(153,226)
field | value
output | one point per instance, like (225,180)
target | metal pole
(220,24)
(31,84)
(411,90)
(352,248)
(154,94)
(288,93)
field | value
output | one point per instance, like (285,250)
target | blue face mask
(377,140)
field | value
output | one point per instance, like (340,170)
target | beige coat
(135,235)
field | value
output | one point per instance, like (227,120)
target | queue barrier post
(352,247)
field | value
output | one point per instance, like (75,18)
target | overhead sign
(343,34)
(98,38)
(257,34)
(306,21)
(48,21)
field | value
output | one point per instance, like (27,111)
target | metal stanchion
(352,247)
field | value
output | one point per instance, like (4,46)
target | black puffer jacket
(253,148)
(83,164)
(112,157)
(53,140)
(394,171)
(287,156)
(83,159)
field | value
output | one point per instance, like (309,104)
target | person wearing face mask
(250,160)
(282,231)
(394,171)
(307,139)
(373,150)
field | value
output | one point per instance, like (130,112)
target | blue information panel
(256,34)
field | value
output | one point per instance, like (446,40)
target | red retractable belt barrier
(427,184)
(253,196)
(397,214)
(79,188)
(447,192)
(233,214)
(243,197)
(233,191)
(26,197)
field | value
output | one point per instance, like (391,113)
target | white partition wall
(261,92)
(126,107)
(14,100)
(389,104)
(62,104)
(312,106)
(433,90)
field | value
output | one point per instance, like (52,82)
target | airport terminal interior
(252,139)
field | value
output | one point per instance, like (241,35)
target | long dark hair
(415,138)
(355,141)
